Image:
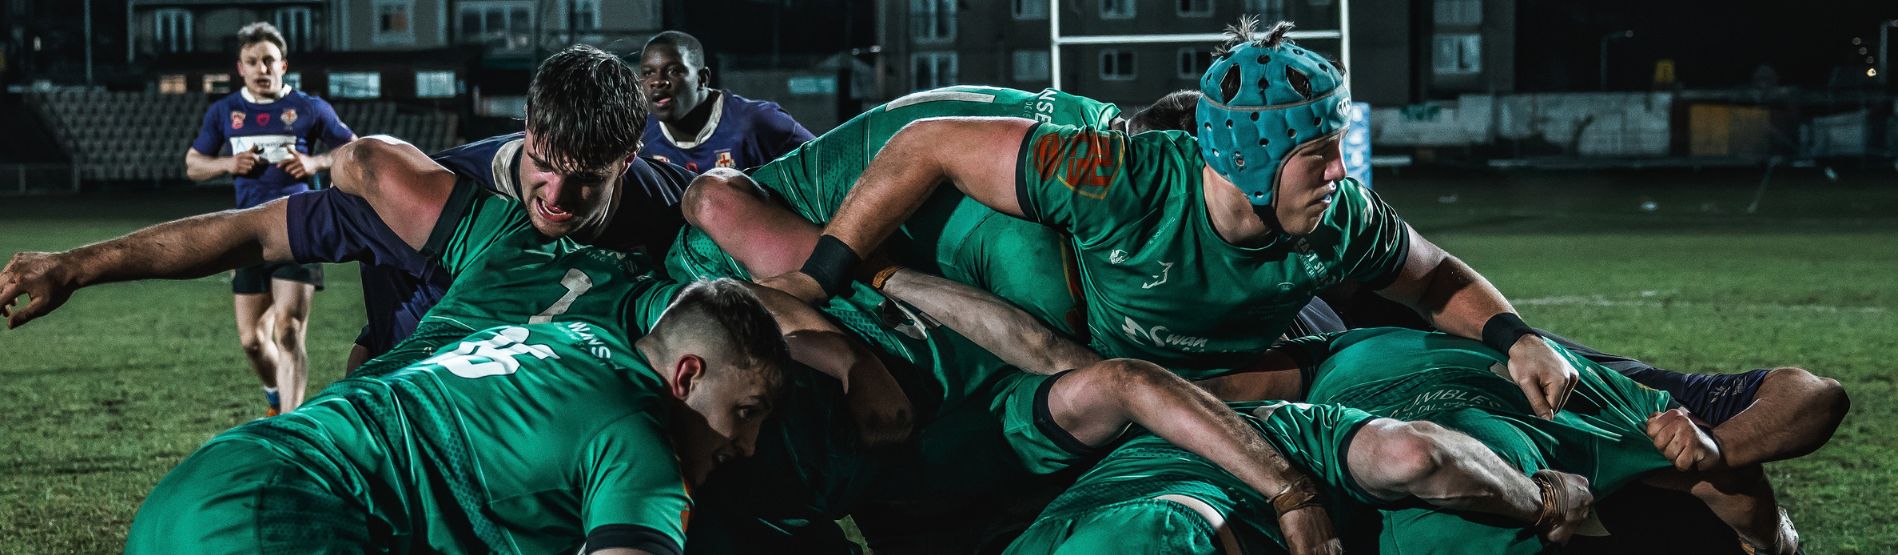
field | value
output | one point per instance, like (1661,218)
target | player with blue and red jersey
(699,127)
(269,131)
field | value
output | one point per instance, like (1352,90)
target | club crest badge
(289,117)
(237,119)
(725,159)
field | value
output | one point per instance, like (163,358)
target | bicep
(632,486)
(398,181)
(1419,266)
(978,155)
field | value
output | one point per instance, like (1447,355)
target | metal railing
(26,179)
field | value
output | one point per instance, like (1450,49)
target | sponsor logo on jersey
(289,117)
(237,119)
(1160,336)
(725,159)
(1086,162)
(1044,106)
(1116,257)
(594,346)
(1165,269)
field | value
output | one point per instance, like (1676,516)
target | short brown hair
(261,31)
(584,110)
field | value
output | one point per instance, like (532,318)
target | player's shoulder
(228,101)
(301,97)
(758,112)
(490,162)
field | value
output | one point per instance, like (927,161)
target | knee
(715,195)
(1824,396)
(286,329)
(252,343)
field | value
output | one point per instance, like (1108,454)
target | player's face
(261,64)
(672,86)
(561,203)
(1307,184)
(729,409)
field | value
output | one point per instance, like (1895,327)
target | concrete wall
(1584,124)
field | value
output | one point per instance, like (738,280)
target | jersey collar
(284,92)
(705,133)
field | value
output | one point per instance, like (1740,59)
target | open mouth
(551,212)
(661,102)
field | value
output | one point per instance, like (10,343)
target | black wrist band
(830,264)
(1502,331)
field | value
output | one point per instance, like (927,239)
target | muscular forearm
(1395,460)
(189,248)
(1459,301)
(990,322)
(200,167)
(1196,422)
(895,184)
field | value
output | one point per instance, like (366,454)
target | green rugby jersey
(513,439)
(1159,282)
(505,272)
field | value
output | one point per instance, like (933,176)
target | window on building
(1193,62)
(1194,8)
(1117,9)
(932,20)
(171,84)
(434,84)
(1458,54)
(929,70)
(511,20)
(393,25)
(586,15)
(216,83)
(1117,64)
(1267,10)
(294,23)
(1031,65)
(171,30)
(1467,13)
(1030,9)
(293,80)
(355,85)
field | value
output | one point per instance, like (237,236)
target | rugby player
(270,131)
(765,219)
(546,437)
(1196,253)
(699,127)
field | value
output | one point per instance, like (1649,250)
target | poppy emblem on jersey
(237,120)
(725,159)
(289,117)
(263,118)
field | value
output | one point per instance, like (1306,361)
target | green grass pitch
(100,399)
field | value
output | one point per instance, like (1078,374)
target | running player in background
(269,131)
(699,127)
(427,458)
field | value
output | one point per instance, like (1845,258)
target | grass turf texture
(104,396)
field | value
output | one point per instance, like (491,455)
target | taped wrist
(1502,331)
(830,265)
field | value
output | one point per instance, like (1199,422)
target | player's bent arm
(200,166)
(1795,413)
(978,155)
(997,326)
(1460,301)
(182,249)
(406,188)
(1095,404)
(882,411)
(1274,376)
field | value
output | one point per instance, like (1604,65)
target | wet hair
(1243,32)
(1174,112)
(584,110)
(261,31)
(722,321)
(690,50)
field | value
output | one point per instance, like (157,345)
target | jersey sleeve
(649,304)
(781,133)
(1309,352)
(333,226)
(210,132)
(1376,241)
(472,221)
(633,494)
(330,127)
(1081,180)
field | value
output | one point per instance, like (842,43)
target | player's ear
(705,77)
(686,372)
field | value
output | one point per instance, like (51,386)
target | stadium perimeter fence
(30,179)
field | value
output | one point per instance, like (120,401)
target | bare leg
(250,311)
(286,324)
(1793,414)
(358,354)
(1743,498)
(767,239)
(1095,404)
